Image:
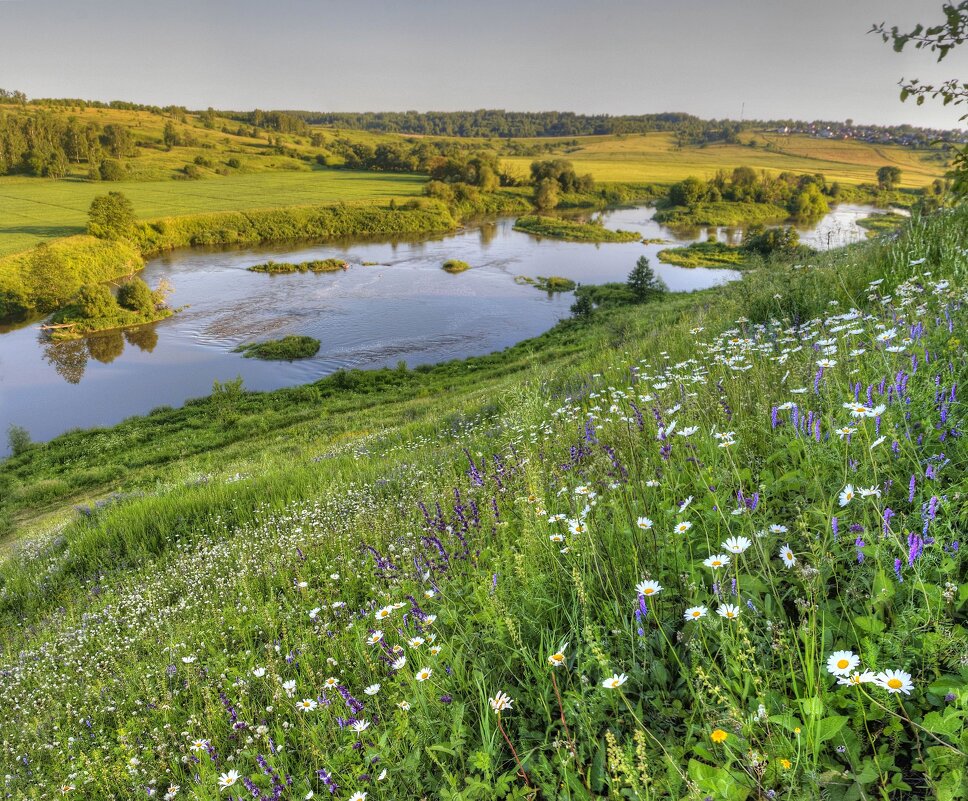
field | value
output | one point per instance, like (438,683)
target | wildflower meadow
(716,554)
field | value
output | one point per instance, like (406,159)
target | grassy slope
(654,157)
(196,564)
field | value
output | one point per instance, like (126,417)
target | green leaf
(830,727)
(869,624)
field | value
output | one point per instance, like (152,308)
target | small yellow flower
(718,736)
(796,730)
(787,764)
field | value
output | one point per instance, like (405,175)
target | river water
(393,303)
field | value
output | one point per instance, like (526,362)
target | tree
(135,296)
(643,282)
(18,438)
(583,306)
(546,194)
(96,300)
(767,241)
(111,170)
(118,140)
(170,135)
(50,280)
(111,216)
(888,177)
(939,39)
(809,204)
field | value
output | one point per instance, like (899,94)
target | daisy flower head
(787,556)
(615,681)
(842,663)
(399,663)
(644,523)
(360,726)
(374,638)
(716,561)
(895,681)
(383,613)
(359,795)
(776,528)
(683,527)
(373,689)
(648,588)
(404,705)
(737,544)
(500,702)
(228,779)
(695,612)
(331,682)
(557,659)
(306,705)
(728,611)
(424,673)
(199,745)
(847,495)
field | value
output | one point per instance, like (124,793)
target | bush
(234,163)
(96,300)
(135,295)
(18,438)
(766,242)
(286,349)
(110,216)
(112,170)
(191,171)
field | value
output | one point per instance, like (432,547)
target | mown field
(655,157)
(35,209)
(709,547)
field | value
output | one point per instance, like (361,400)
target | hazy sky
(805,59)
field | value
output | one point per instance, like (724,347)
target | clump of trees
(888,177)
(805,196)
(642,286)
(767,241)
(111,216)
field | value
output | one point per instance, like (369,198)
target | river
(393,304)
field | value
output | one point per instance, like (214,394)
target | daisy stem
(514,753)
(561,710)
(904,716)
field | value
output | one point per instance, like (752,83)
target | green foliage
(704,254)
(546,194)
(554,283)
(721,213)
(766,242)
(95,300)
(883,223)
(18,439)
(47,277)
(111,216)
(316,266)
(643,283)
(455,266)
(808,204)
(135,295)
(560,228)
(562,173)
(583,307)
(112,170)
(250,521)
(888,177)
(288,349)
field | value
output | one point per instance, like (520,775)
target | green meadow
(38,209)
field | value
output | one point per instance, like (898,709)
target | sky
(763,59)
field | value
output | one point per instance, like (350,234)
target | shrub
(135,295)
(112,170)
(18,438)
(95,300)
(110,216)
(455,266)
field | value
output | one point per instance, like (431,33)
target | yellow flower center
(648,591)
(695,614)
(895,684)
(730,614)
(716,563)
(843,663)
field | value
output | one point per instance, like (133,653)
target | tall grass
(352,619)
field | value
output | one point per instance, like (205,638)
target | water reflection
(69,359)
